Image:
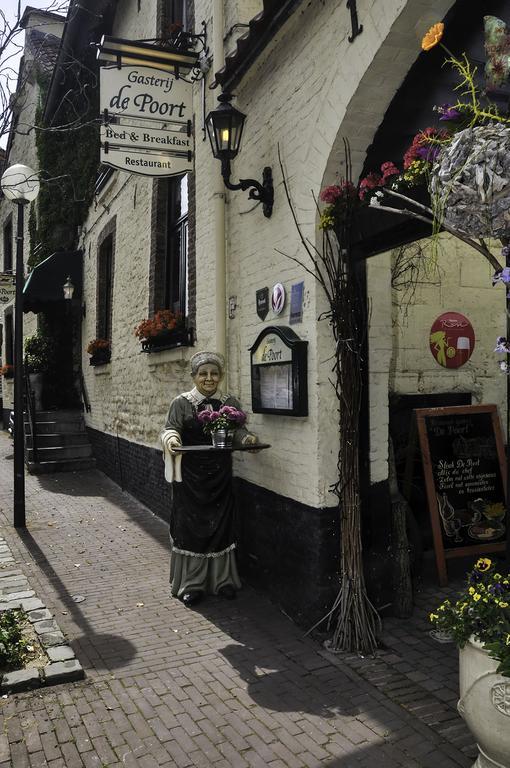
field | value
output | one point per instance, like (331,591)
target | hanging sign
(7,288)
(278,298)
(262,297)
(147,119)
(452,340)
(296,303)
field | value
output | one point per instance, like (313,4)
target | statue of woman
(202,517)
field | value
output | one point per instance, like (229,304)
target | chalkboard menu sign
(465,475)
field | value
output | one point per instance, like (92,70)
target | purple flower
(501,276)
(233,414)
(502,345)
(428,153)
(448,112)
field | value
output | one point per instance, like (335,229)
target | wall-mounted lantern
(68,289)
(225,129)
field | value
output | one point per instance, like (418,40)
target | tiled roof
(44,48)
(261,30)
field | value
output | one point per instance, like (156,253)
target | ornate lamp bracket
(263,193)
(357,28)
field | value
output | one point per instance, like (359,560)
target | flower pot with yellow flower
(479,622)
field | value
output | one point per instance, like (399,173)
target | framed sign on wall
(279,373)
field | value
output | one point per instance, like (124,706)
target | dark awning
(44,284)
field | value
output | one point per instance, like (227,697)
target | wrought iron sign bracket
(357,28)
(263,193)
(181,53)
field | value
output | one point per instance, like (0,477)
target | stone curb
(63,666)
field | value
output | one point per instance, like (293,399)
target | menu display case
(279,373)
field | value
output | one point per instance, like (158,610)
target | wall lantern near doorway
(68,289)
(225,129)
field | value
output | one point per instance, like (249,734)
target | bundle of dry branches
(353,618)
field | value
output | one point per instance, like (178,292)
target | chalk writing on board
(464,465)
(467,478)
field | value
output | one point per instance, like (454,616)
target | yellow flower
(433,36)
(503,605)
(471,590)
(327,221)
(483,564)
(476,597)
(507,640)
(433,616)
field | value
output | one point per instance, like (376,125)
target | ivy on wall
(68,163)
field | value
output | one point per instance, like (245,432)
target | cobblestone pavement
(231,684)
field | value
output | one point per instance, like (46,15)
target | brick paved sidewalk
(233,684)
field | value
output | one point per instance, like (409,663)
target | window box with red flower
(100,352)
(7,371)
(165,330)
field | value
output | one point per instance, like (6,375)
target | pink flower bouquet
(227,417)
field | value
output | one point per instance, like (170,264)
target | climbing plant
(68,155)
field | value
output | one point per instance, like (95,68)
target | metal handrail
(84,396)
(31,412)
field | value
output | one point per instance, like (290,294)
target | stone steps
(54,439)
(61,465)
(62,443)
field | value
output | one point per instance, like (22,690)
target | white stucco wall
(308,90)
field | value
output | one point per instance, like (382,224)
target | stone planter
(470,182)
(485,705)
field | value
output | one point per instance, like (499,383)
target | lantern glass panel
(225,127)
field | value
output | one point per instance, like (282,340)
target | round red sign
(452,339)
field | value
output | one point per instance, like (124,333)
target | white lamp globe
(20,184)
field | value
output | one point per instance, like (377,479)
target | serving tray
(212,448)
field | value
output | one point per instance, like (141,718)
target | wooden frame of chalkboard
(464,465)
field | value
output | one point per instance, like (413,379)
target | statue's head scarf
(202,358)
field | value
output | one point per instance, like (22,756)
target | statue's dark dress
(203,504)
(203,508)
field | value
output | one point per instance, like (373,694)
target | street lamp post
(21,185)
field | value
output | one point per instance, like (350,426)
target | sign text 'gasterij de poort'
(147,121)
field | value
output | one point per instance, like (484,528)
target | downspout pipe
(219,199)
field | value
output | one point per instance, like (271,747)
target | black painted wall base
(139,470)
(377,545)
(5,417)
(289,549)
